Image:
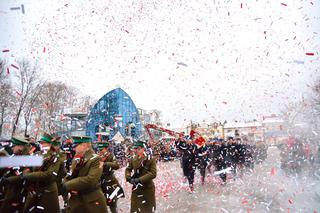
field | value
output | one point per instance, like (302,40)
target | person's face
(17,149)
(44,146)
(81,148)
(189,141)
(103,151)
(139,151)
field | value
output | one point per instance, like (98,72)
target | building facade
(114,112)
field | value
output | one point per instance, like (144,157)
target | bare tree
(27,80)
(54,96)
(5,95)
(32,103)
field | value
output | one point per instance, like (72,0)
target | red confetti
(44,49)
(14,66)
(290,201)
(273,171)
(283,4)
(5,51)
(311,54)
(8,71)
(245,201)
(241,5)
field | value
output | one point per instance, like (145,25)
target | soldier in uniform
(222,159)
(15,193)
(62,172)
(201,161)
(3,153)
(42,187)
(67,147)
(188,160)
(84,181)
(109,183)
(144,171)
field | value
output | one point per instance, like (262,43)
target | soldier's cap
(102,145)
(56,141)
(139,143)
(19,140)
(81,139)
(45,137)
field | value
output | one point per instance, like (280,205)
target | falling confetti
(298,62)
(14,66)
(310,54)
(182,64)
(18,8)
(273,171)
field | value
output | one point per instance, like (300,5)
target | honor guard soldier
(42,187)
(62,172)
(109,183)
(15,193)
(144,171)
(83,182)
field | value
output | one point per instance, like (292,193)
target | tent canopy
(117,137)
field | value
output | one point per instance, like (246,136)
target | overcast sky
(191,60)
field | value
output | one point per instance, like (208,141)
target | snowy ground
(266,189)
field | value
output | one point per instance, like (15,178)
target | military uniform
(143,189)
(201,160)
(83,184)
(42,187)
(62,157)
(14,188)
(109,183)
(3,153)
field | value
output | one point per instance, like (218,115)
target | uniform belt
(86,191)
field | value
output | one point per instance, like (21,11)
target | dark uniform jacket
(143,194)
(15,192)
(84,186)
(109,182)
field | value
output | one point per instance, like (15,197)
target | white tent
(117,138)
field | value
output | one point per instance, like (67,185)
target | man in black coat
(188,150)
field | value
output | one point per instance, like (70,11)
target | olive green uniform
(3,153)
(143,194)
(15,191)
(42,187)
(109,182)
(62,172)
(84,186)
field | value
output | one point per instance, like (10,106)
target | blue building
(114,112)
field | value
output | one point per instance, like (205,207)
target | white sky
(240,62)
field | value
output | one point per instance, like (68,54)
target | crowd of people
(298,154)
(221,156)
(81,170)
(82,174)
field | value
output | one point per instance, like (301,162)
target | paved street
(267,189)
